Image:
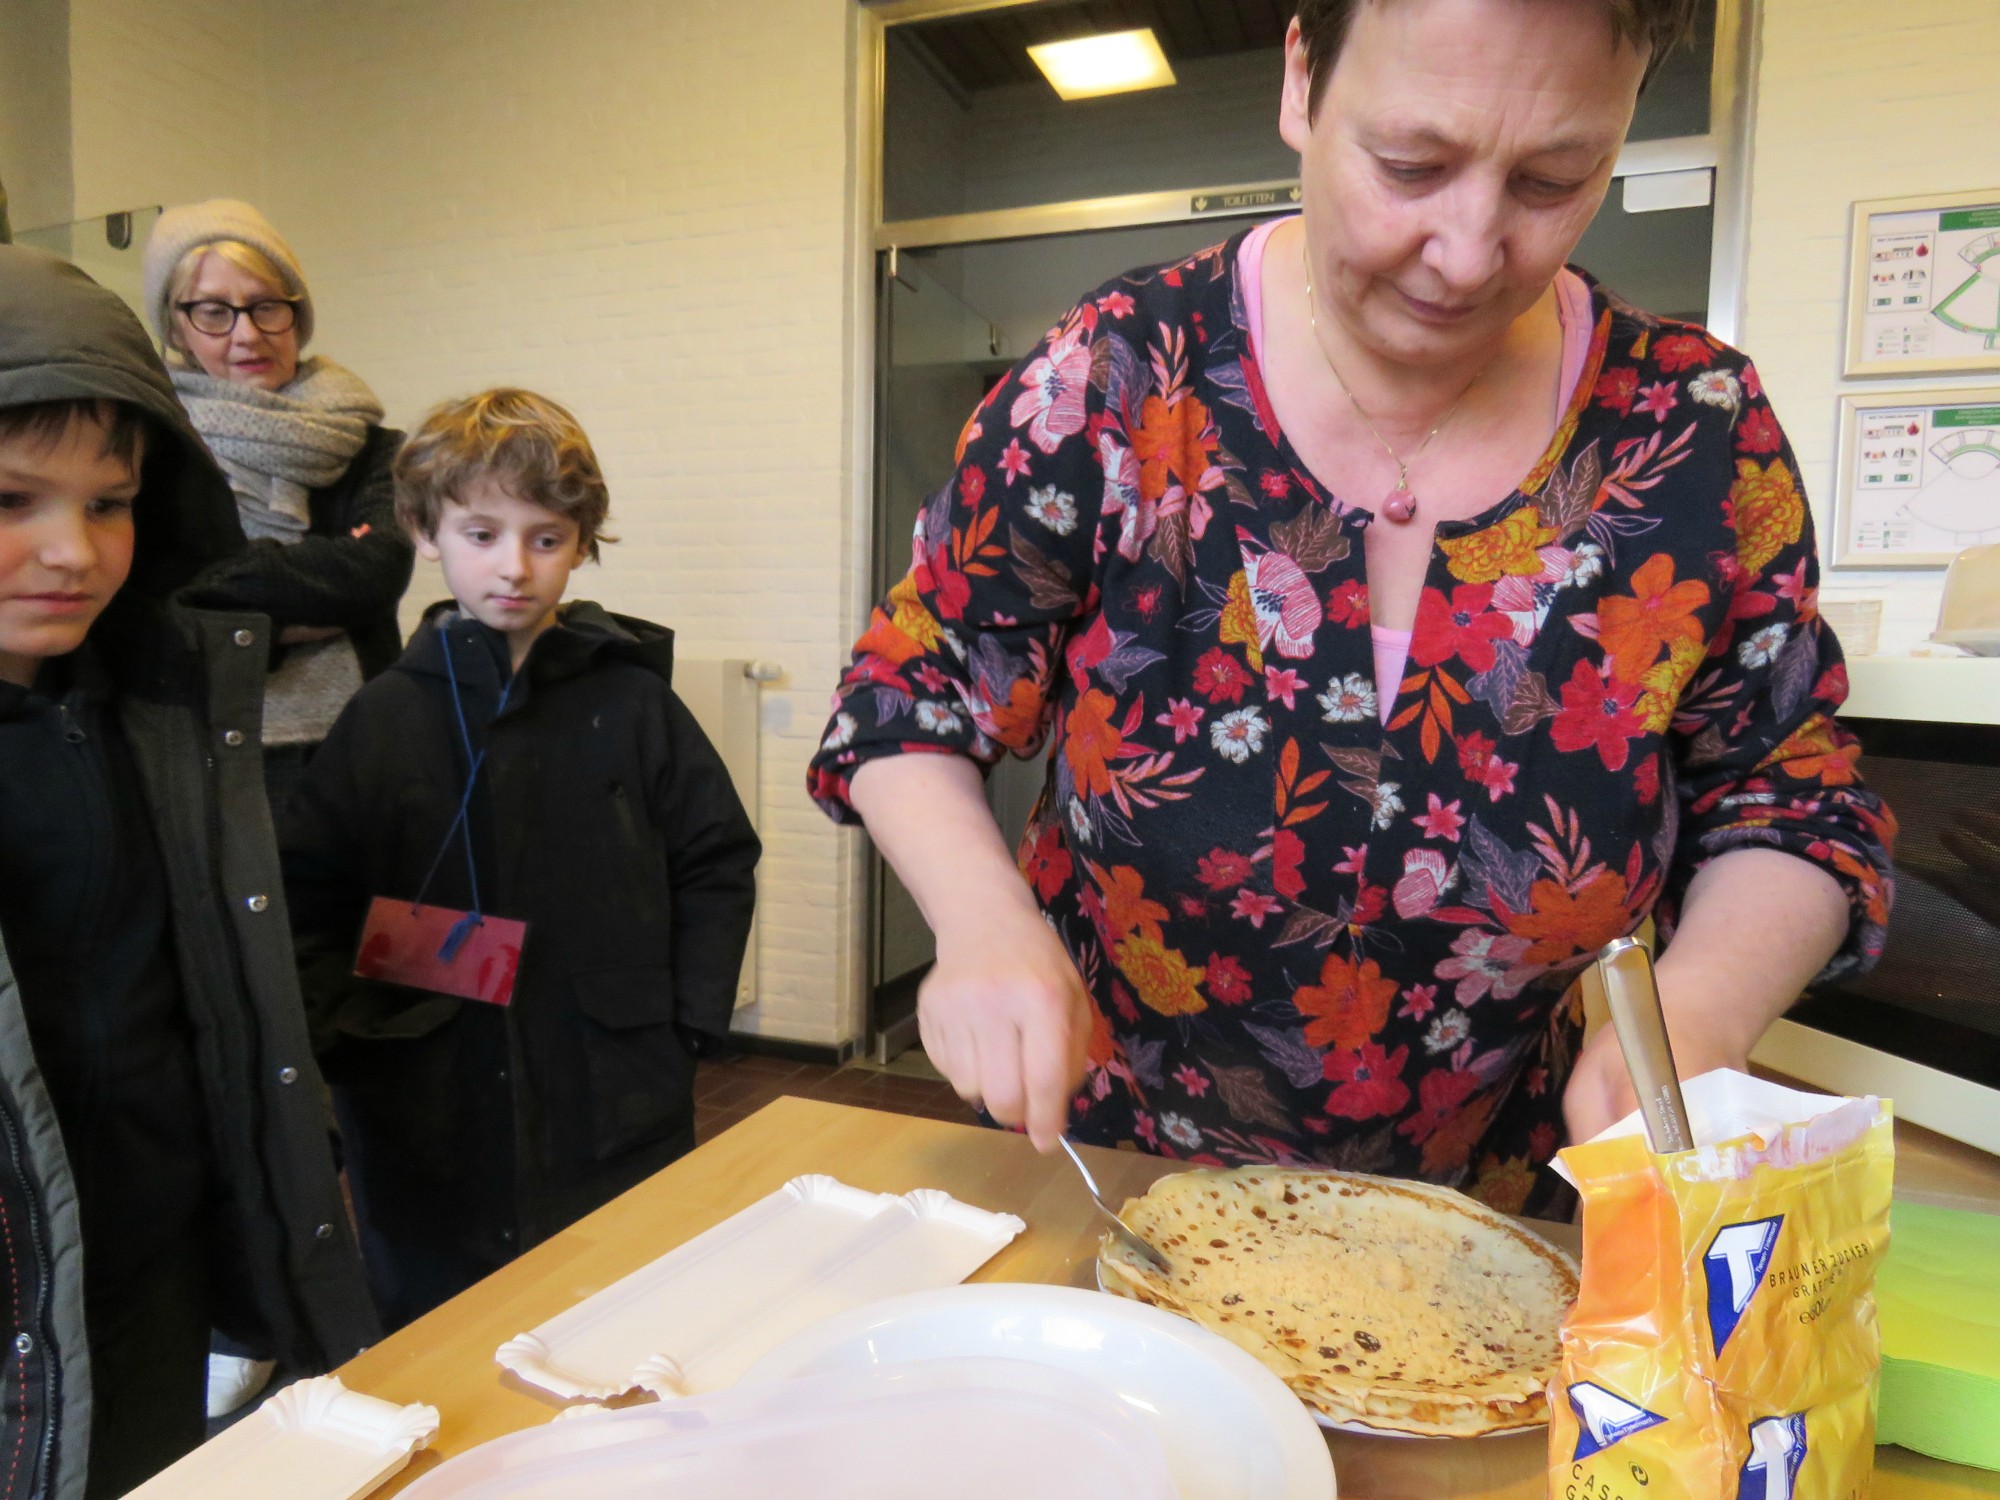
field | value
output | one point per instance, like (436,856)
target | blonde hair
(528,443)
(244,257)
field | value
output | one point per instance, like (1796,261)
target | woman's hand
(1600,1091)
(1005,1017)
(1756,926)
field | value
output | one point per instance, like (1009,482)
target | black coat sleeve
(348,572)
(712,854)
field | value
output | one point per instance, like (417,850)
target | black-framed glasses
(215,318)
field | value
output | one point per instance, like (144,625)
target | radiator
(724,697)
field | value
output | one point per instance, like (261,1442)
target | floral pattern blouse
(1311,937)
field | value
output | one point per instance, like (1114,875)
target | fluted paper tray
(704,1312)
(315,1440)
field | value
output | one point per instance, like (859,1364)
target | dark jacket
(349,570)
(605,820)
(182,679)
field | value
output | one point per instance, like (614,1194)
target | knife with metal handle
(1632,996)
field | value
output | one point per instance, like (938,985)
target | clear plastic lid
(969,1429)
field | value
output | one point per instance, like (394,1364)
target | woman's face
(246,354)
(1457,154)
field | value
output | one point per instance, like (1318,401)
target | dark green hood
(63,337)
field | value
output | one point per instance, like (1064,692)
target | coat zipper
(44,1273)
(99,798)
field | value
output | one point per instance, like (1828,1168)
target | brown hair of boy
(1658,26)
(47,423)
(529,444)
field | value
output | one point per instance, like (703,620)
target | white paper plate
(969,1429)
(701,1314)
(315,1440)
(1231,1429)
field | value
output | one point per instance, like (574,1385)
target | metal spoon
(1633,998)
(1126,1235)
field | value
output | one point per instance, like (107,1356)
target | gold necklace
(1401,505)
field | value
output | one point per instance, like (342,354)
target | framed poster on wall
(1918,477)
(1923,292)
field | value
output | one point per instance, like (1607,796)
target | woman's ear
(1295,103)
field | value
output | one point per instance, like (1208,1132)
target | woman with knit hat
(303,446)
(302,443)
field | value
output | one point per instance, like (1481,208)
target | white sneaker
(233,1380)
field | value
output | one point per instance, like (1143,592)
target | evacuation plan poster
(1919,476)
(1926,296)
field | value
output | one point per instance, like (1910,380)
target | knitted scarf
(275,446)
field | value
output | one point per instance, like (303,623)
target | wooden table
(446,1359)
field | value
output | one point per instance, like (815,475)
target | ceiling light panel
(1117,62)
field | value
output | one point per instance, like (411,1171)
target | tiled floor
(732,1090)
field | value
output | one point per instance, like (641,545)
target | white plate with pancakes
(1388,1307)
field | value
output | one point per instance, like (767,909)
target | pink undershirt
(1392,647)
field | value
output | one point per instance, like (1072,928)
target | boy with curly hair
(526,762)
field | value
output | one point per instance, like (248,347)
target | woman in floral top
(1411,618)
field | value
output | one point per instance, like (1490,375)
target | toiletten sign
(1238,200)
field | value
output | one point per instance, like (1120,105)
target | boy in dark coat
(525,761)
(164,1164)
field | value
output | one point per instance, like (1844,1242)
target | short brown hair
(528,443)
(1658,25)
(47,423)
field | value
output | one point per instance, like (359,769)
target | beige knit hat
(191,225)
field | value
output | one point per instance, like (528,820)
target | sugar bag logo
(1603,1418)
(1777,1450)
(1735,1264)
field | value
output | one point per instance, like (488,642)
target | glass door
(935,360)
(108,248)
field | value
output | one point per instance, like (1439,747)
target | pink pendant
(1401,506)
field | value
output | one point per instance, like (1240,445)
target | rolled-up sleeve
(962,656)
(1760,760)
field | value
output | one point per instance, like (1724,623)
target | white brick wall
(166,102)
(1856,99)
(641,207)
(34,111)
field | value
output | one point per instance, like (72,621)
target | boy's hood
(63,337)
(583,632)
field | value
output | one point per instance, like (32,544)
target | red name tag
(400,944)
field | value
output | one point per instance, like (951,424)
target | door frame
(1724,150)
